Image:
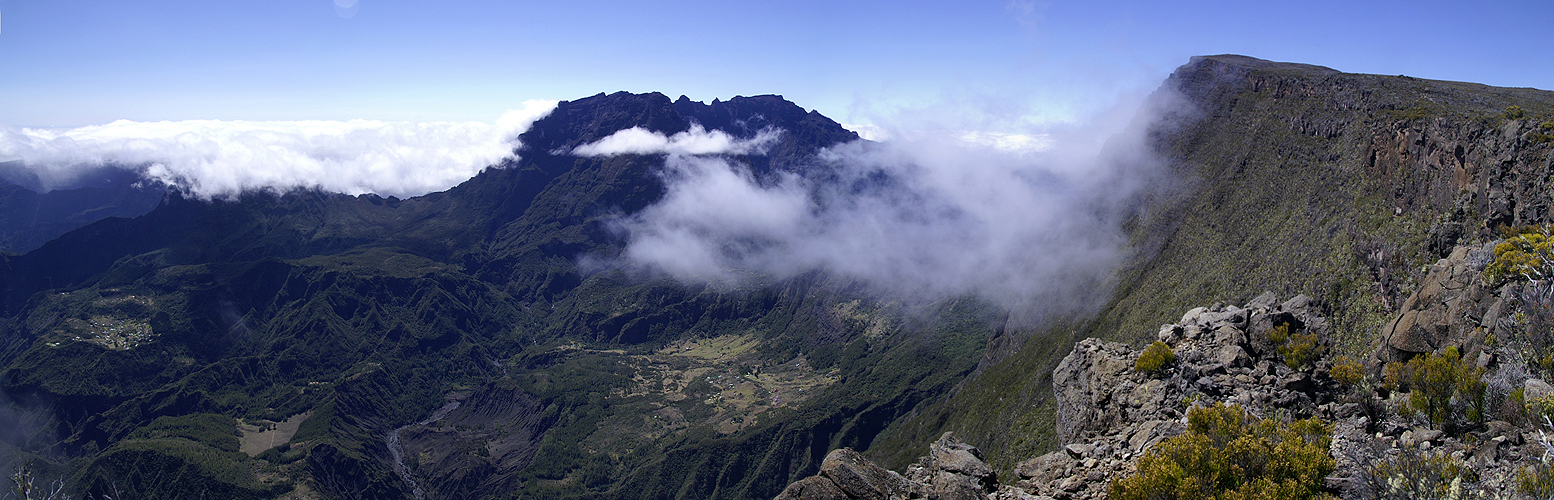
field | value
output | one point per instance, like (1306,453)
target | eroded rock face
(1083,385)
(1452,308)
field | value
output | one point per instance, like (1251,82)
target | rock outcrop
(1110,413)
(952,470)
(1453,307)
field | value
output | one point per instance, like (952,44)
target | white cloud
(1014,143)
(1004,141)
(696,141)
(868,132)
(1032,222)
(220,158)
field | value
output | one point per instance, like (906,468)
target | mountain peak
(587,120)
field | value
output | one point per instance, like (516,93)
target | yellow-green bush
(1297,348)
(1539,407)
(1228,453)
(1155,357)
(1526,255)
(1472,390)
(1347,371)
(1432,380)
(1536,481)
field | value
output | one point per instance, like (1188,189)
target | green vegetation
(216,431)
(1158,355)
(1297,348)
(1537,480)
(1526,255)
(1538,407)
(1414,474)
(1435,381)
(1347,371)
(1228,453)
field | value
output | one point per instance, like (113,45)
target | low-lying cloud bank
(696,141)
(213,158)
(1031,222)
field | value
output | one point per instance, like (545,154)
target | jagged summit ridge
(586,120)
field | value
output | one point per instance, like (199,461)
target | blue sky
(73,63)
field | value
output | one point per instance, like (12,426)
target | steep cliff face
(1292,178)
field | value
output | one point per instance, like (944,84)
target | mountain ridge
(364,312)
(131,344)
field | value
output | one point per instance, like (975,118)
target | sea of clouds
(1030,220)
(216,158)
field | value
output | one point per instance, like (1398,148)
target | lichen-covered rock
(1083,385)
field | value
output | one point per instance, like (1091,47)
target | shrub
(1517,403)
(1471,390)
(1297,348)
(1537,480)
(1411,474)
(1540,407)
(1526,256)
(1155,357)
(1347,371)
(1433,380)
(1515,113)
(1229,453)
(1395,376)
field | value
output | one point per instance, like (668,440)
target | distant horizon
(402,98)
(998,65)
(674,95)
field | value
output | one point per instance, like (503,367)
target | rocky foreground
(1110,413)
